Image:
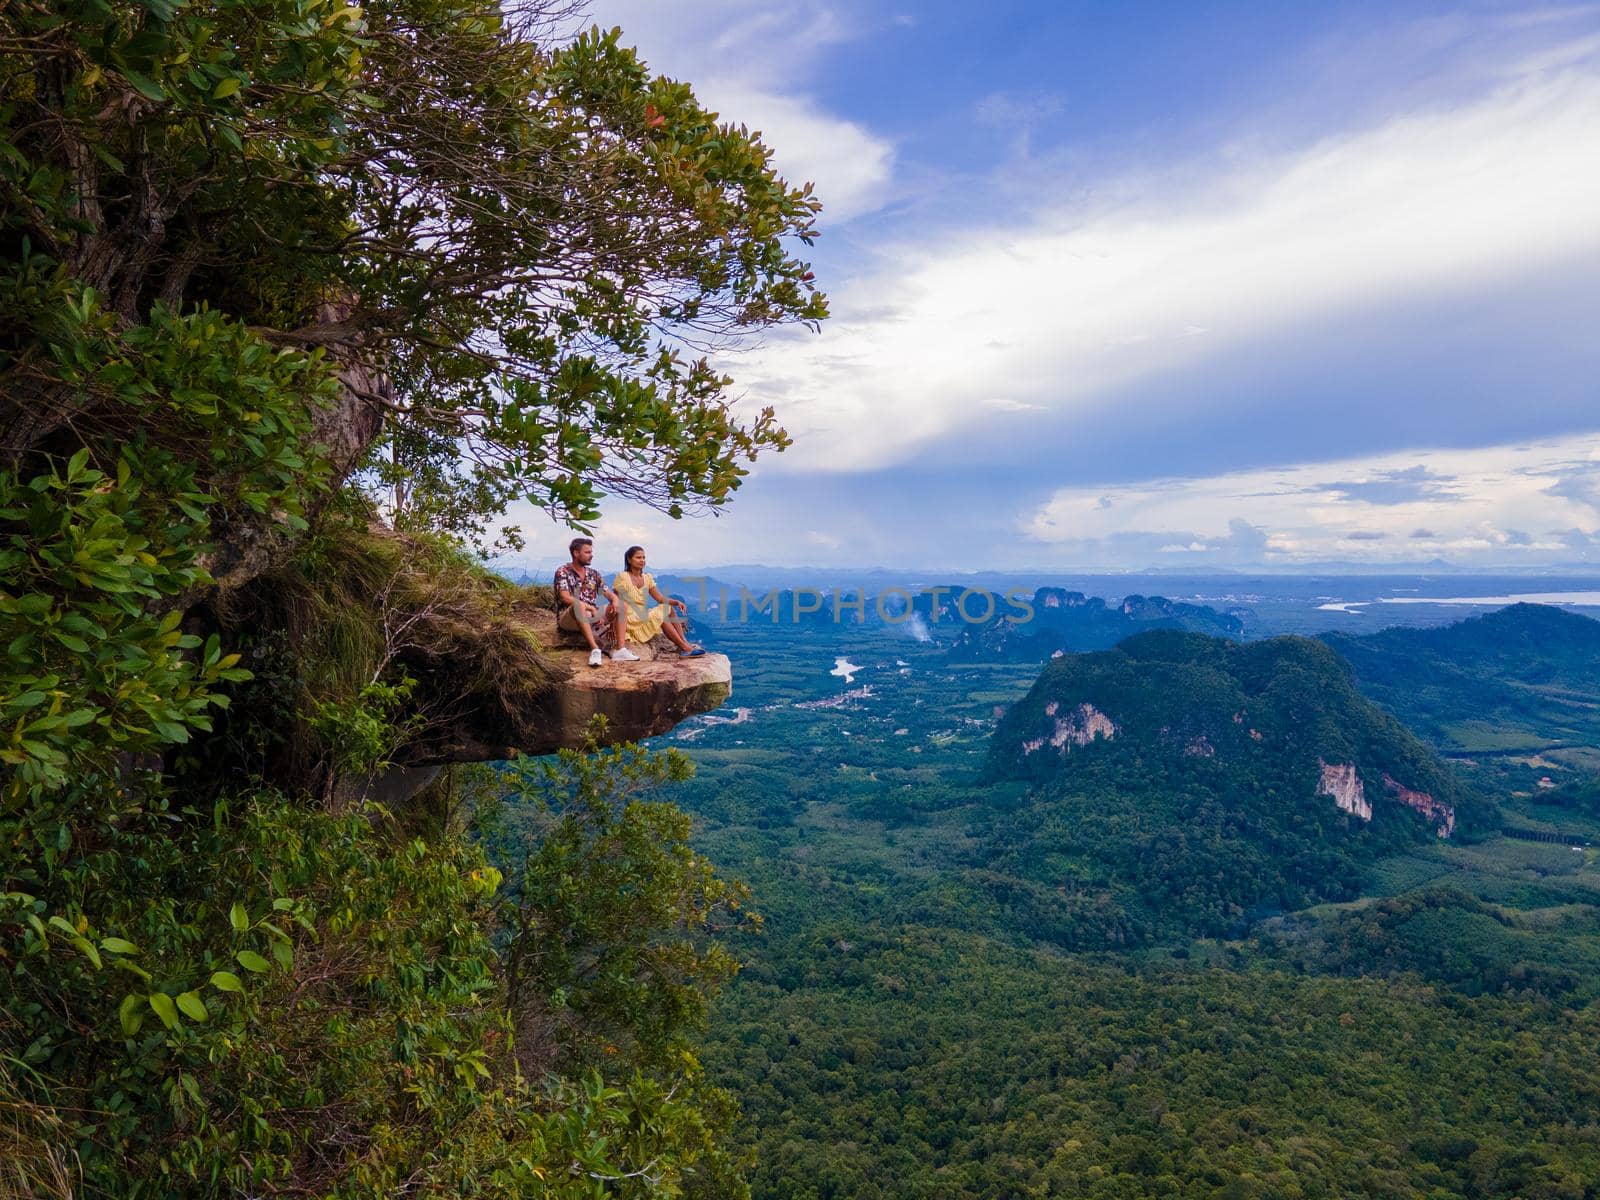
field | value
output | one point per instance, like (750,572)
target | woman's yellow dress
(644,618)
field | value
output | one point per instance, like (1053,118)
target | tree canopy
(515,246)
(270,269)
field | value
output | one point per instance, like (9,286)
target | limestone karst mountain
(1201,779)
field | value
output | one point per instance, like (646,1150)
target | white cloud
(850,167)
(1512,502)
(751,64)
(1155,276)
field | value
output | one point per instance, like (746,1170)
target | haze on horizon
(1148,286)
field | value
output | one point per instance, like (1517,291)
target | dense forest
(1198,797)
(1102,969)
(918,1063)
(1515,684)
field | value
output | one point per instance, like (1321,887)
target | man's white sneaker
(624,655)
(595,657)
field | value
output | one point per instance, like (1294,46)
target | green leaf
(130,1014)
(131,967)
(284,953)
(118,945)
(145,86)
(226,981)
(86,948)
(161,1004)
(238,918)
(226,88)
(251,961)
(193,1006)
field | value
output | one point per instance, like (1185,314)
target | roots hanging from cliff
(375,647)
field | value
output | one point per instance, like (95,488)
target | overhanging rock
(638,700)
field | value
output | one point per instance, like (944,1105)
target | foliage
(975,986)
(1451,938)
(301,1001)
(1503,686)
(260,259)
(914,1062)
(366,647)
(523,233)
(609,909)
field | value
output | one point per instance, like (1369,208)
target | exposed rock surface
(638,700)
(1079,727)
(1342,782)
(1441,814)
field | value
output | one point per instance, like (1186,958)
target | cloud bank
(1531,504)
(1149,278)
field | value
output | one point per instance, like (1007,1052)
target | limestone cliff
(1441,815)
(1342,783)
(1078,727)
(378,656)
(637,700)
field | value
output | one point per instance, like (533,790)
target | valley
(1156,961)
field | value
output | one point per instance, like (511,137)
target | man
(578,591)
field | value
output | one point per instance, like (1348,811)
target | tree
(259,261)
(510,244)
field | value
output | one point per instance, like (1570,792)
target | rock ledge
(638,700)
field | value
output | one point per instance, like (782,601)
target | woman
(635,589)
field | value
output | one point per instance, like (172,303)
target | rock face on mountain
(1056,621)
(638,700)
(1078,727)
(1341,783)
(479,670)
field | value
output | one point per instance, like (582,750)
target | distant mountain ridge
(1067,622)
(1517,679)
(981,624)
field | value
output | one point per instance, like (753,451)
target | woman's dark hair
(627,559)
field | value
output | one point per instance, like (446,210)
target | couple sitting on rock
(630,616)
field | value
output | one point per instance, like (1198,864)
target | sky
(1132,286)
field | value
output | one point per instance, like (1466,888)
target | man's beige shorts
(568,622)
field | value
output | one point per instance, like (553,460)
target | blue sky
(1182,285)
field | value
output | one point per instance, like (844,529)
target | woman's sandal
(692,652)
